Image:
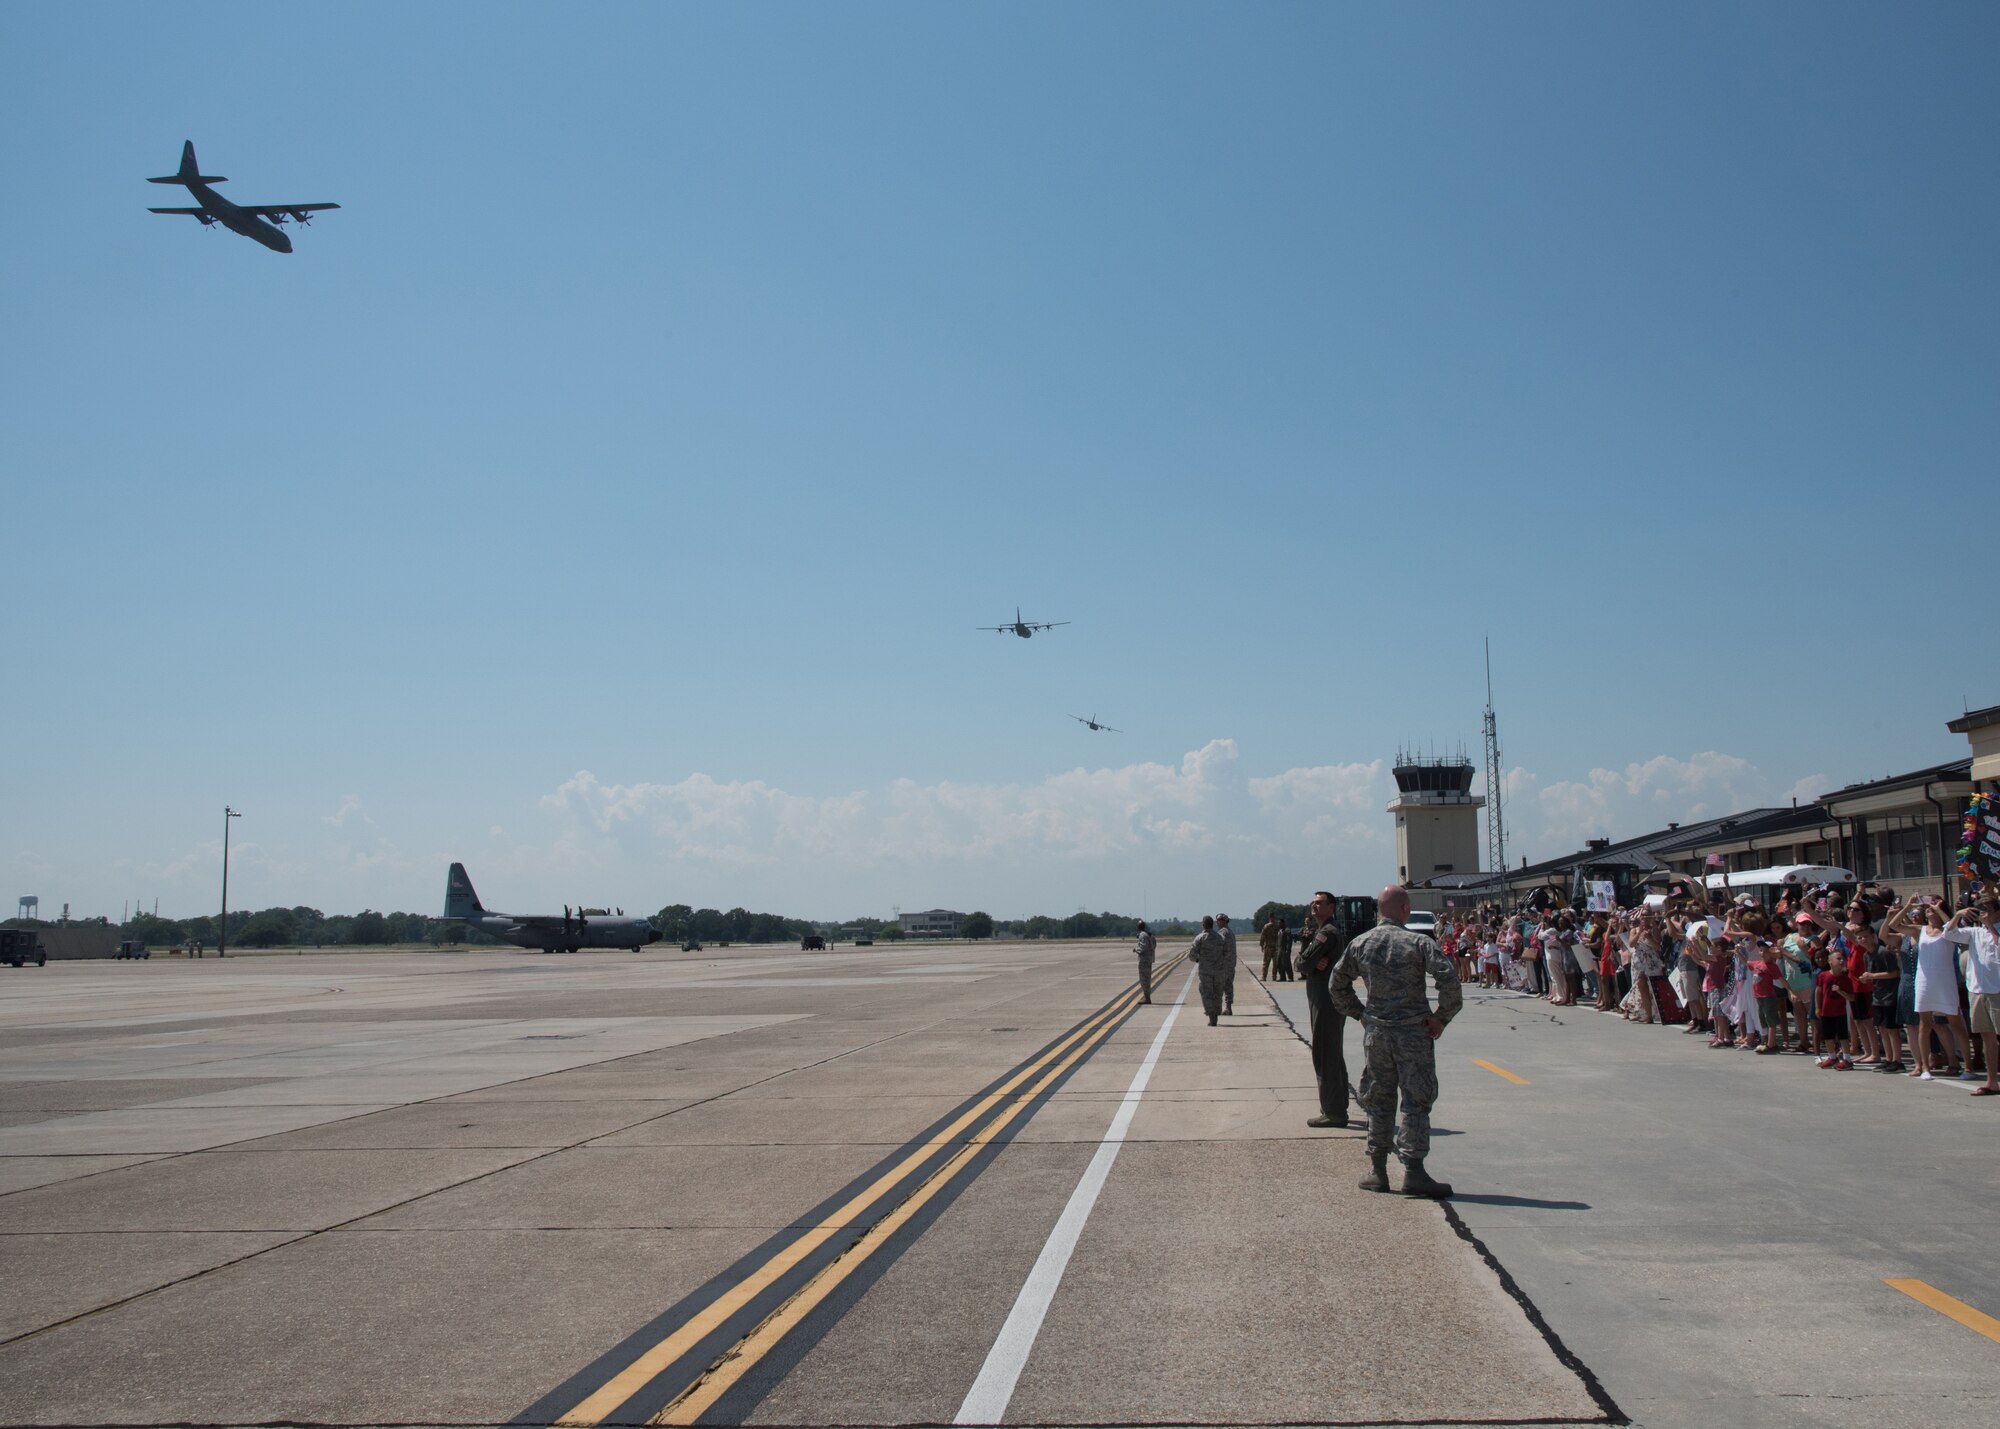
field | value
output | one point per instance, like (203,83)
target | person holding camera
(1936,999)
(1979,934)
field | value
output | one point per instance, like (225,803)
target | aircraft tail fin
(190,171)
(459,899)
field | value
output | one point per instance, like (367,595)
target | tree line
(302,926)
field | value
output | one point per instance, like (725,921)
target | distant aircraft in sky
(1092,722)
(582,929)
(1025,628)
(258,221)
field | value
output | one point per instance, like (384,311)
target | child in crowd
(1883,973)
(1744,928)
(1716,967)
(1836,992)
(1767,986)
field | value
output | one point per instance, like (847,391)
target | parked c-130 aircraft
(547,931)
(259,221)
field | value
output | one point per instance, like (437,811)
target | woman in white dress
(1644,948)
(1937,984)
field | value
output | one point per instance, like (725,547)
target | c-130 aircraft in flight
(546,931)
(259,221)
(1024,628)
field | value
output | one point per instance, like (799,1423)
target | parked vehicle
(20,946)
(131,948)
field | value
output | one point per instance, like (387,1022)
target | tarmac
(1715,1233)
(763,1186)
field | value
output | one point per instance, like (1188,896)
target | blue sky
(606,494)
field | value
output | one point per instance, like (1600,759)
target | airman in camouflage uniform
(1147,943)
(1210,955)
(1228,936)
(1398,1033)
(1267,939)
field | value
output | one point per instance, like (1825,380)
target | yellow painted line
(1500,1072)
(742,1357)
(700,1396)
(1973,1320)
(634,1377)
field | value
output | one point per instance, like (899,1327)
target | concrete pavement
(1710,1231)
(464,1188)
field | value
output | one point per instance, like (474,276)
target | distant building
(1900,832)
(935,923)
(1982,728)
(1437,818)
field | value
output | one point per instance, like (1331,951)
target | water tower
(1437,817)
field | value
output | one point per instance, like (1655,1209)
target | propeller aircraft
(1092,722)
(1025,628)
(581,929)
(259,221)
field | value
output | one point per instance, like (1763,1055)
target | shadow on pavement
(1465,1197)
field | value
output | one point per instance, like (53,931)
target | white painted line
(986,1402)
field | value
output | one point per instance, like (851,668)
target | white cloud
(1545,820)
(1329,804)
(1197,834)
(350,808)
(1809,788)
(1081,813)
(1148,834)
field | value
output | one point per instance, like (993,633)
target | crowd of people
(1903,987)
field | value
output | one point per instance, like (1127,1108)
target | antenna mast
(1496,833)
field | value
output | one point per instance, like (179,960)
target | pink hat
(1803,921)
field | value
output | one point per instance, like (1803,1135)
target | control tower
(1437,817)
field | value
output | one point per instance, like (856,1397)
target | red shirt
(1834,991)
(1765,978)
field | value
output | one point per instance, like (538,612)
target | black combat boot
(1324,1121)
(1418,1182)
(1377,1178)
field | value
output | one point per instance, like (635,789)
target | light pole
(222,928)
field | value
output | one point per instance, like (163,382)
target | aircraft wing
(195,211)
(1045,624)
(278,210)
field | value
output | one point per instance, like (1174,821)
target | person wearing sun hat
(1796,954)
